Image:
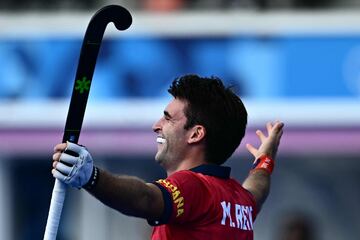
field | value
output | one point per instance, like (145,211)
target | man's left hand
(270,143)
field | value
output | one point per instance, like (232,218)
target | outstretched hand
(270,143)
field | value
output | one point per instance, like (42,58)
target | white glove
(74,170)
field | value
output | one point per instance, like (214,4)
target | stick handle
(56,205)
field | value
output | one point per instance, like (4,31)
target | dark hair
(217,108)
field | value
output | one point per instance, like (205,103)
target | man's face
(171,135)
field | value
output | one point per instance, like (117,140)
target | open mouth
(160,140)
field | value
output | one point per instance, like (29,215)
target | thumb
(252,149)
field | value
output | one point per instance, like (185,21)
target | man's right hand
(72,164)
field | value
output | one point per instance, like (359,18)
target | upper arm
(154,202)
(182,194)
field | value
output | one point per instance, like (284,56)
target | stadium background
(297,61)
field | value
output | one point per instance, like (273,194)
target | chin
(161,161)
(158,158)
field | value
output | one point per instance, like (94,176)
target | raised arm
(258,181)
(73,165)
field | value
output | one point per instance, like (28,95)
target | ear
(197,133)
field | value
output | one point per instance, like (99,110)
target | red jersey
(204,203)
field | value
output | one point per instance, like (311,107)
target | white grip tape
(56,205)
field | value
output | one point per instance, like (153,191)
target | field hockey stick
(88,55)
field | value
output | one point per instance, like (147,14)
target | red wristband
(263,162)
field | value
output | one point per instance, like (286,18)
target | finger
(279,135)
(60,147)
(260,134)
(65,170)
(278,127)
(277,138)
(56,156)
(251,149)
(68,159)
(74,147)
(278,124)
(58,175)
(269,127)
(281,132)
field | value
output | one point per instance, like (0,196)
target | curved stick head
(120,16)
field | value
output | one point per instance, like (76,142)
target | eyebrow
(167,114)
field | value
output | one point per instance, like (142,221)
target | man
(200,129)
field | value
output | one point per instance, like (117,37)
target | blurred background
(293,60)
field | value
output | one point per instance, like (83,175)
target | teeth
(160,140)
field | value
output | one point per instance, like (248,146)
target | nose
(157,126)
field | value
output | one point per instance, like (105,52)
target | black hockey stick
(88,55)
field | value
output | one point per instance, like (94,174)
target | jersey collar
(213,170)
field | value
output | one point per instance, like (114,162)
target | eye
(167,116)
